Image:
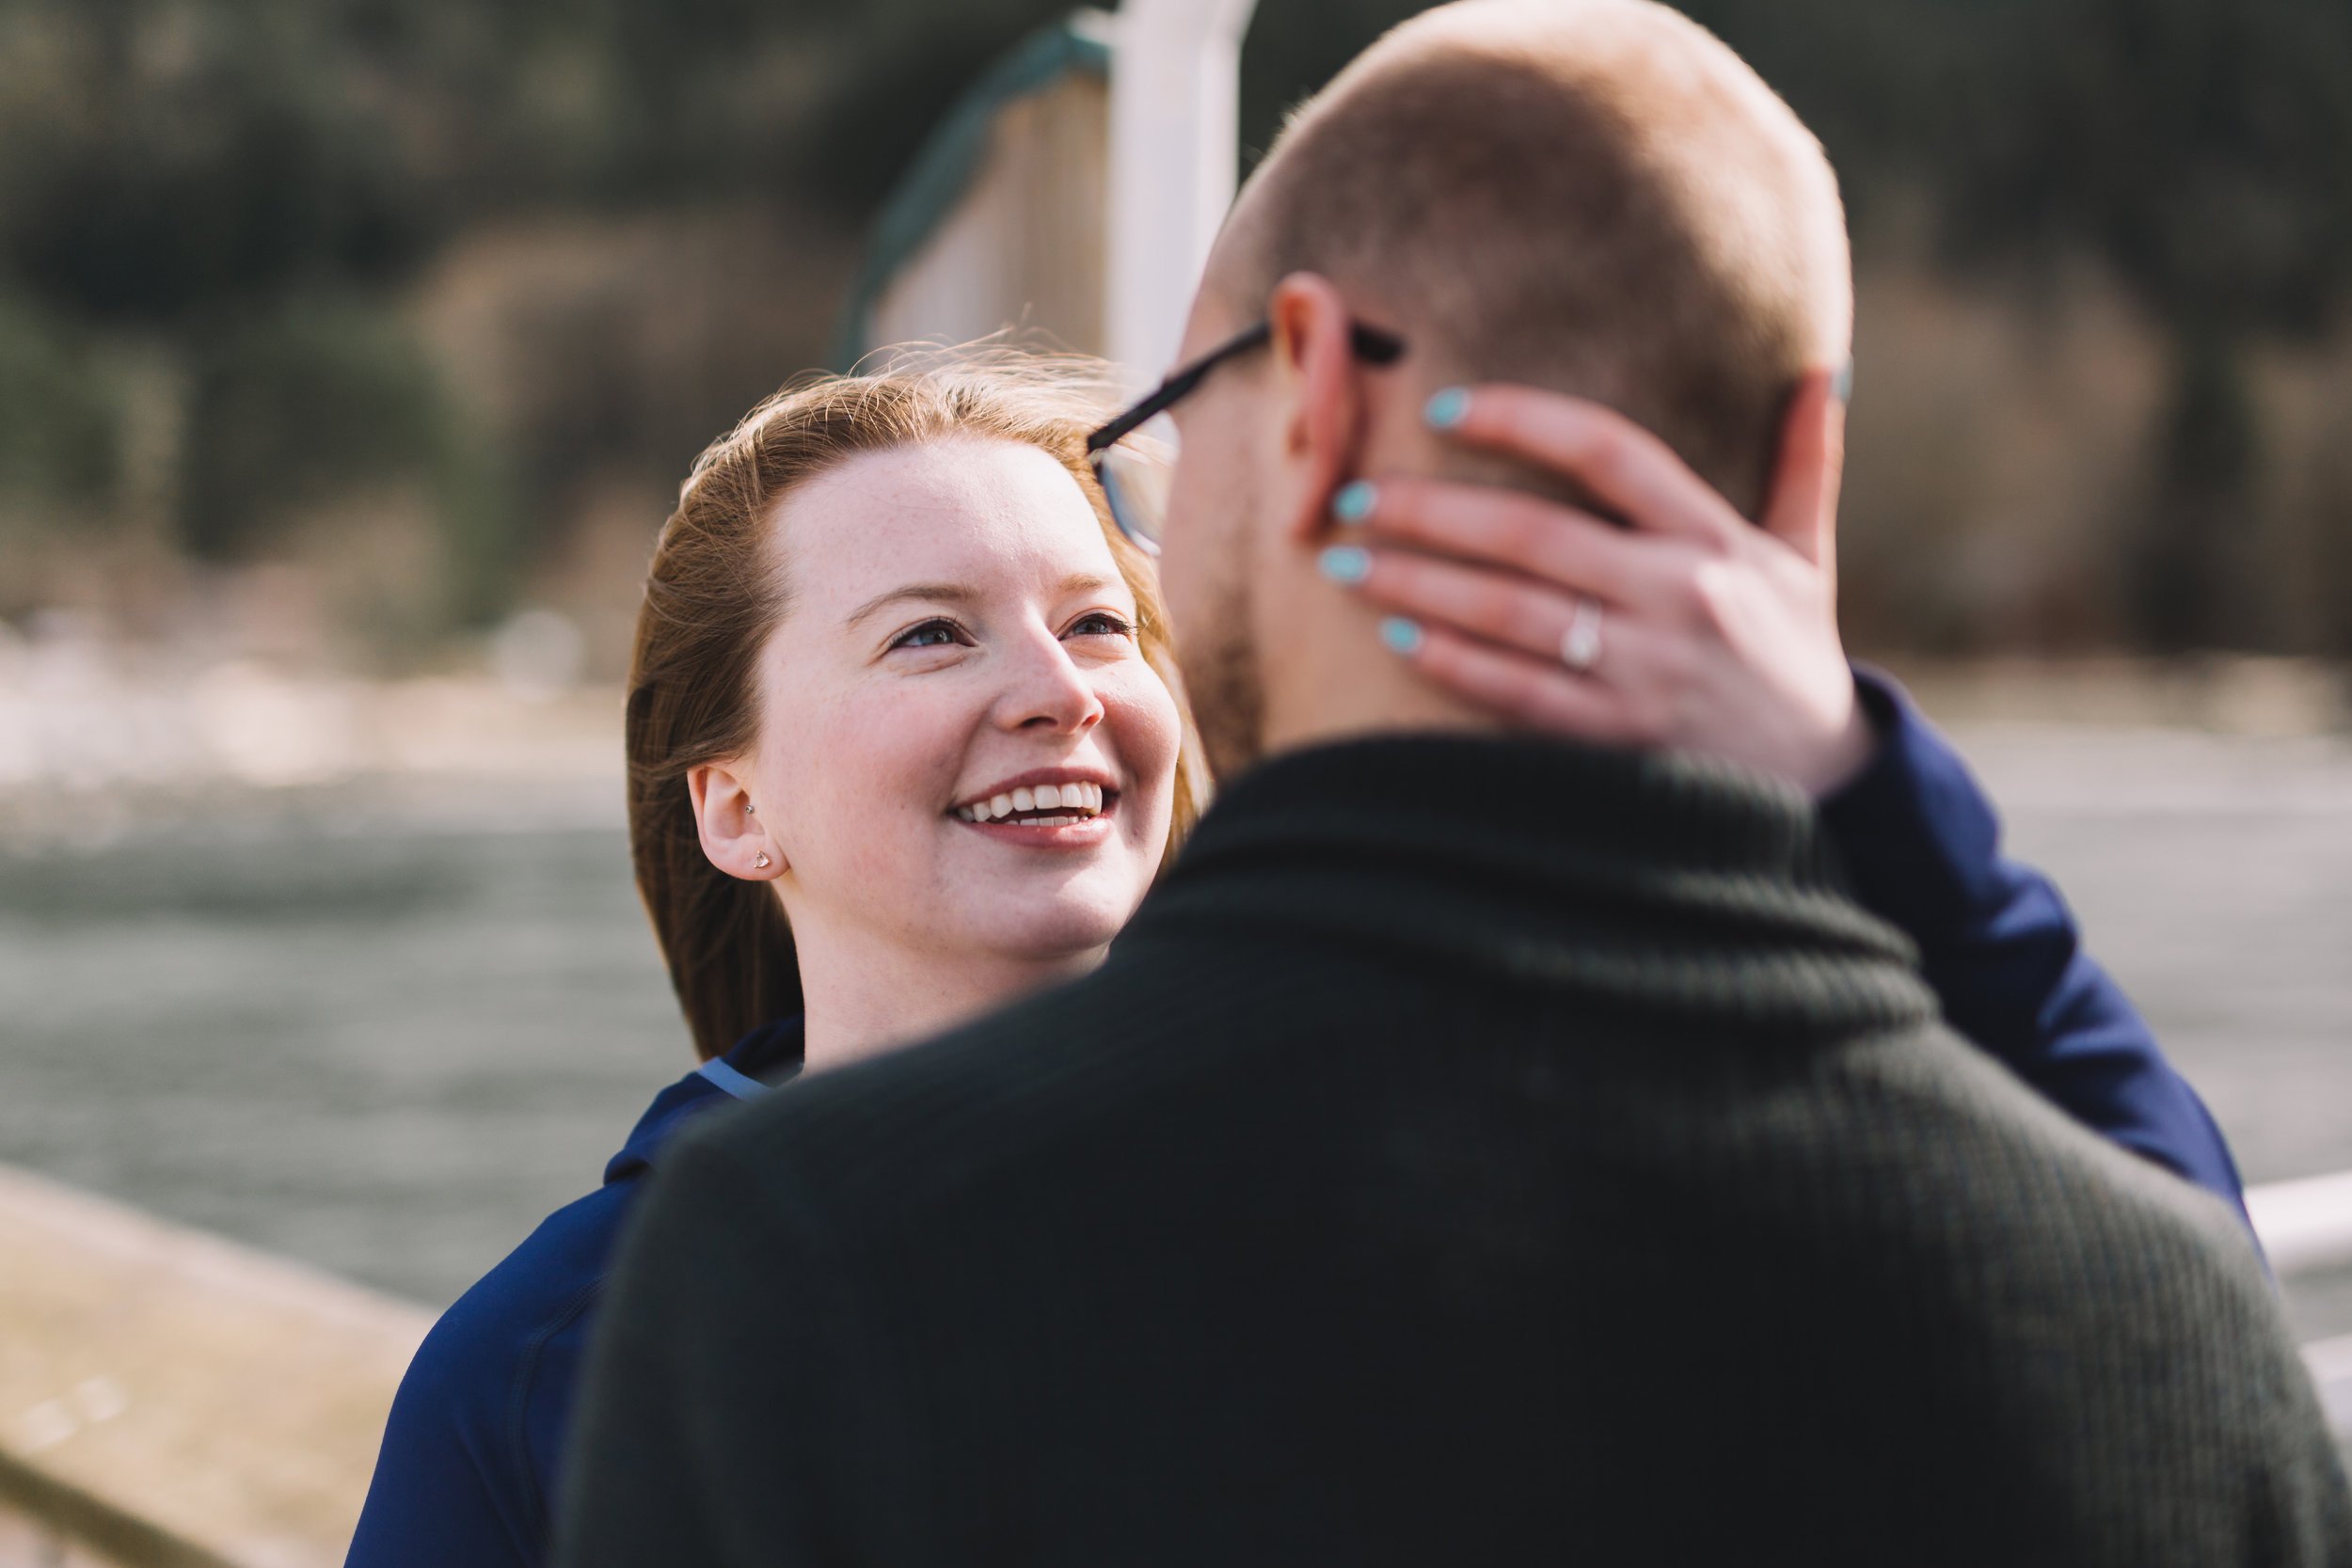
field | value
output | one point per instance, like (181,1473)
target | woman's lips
(1060,830)
(1040,792)
(1068,835)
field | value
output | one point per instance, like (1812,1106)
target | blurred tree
(2203,150)
(294,409)
(60,424)
(180,170)
(159,161)
(322,399)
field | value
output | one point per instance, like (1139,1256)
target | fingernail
(1402,636)
(1353,502)
(1841,384)
(1447,409)
(1344,564)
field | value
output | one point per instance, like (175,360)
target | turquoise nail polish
(1447,408)
(1841,384)
(1353,502)
(1344,564)
(1402,636)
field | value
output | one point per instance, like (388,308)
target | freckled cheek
(1140,717)
(865,774)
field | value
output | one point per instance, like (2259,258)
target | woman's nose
(1050,692)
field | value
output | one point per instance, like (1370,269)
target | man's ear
(733,835)
(1320,405)
(1801,509)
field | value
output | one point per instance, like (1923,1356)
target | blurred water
(388,1051)
(389,1042)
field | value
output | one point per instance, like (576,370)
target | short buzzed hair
(1595,195)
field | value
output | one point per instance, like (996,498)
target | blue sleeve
(2000,947)
(480,1424)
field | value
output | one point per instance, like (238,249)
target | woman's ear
(733,836)
(1321,408)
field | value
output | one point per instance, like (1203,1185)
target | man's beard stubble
(1218,654)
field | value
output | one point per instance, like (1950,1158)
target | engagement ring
(1579,646)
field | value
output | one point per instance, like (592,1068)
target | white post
(2306,1226)
(1175,141)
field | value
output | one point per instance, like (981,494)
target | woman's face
(961,747)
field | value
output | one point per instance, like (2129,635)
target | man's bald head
(1595,195)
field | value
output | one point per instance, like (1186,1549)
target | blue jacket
(1923,849)
(466,1475)
(466,1479)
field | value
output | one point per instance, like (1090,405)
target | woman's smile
(1006,699)
(1047,808)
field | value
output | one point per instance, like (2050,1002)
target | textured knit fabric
(466,1475)
(481,1425)
(1476,1151)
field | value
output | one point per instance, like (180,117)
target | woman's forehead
(964,509)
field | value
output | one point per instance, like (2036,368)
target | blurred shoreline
(2253,696)
(312,924)
(98,737)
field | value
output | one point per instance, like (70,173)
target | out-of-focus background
(335,332)
(352,350)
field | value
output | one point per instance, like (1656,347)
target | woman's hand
(1714,634)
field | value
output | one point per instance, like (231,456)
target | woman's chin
(1046,925)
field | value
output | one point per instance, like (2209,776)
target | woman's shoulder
(460,1479)
(533,1289)
(474,1377)
(477,1428)
(479,1362)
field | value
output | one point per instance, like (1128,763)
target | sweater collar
(1550,863)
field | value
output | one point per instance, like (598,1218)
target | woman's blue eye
(1102,623)
(930,633)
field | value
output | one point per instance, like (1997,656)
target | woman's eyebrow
(949,593)
(953,593)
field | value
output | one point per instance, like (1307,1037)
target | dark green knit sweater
(1476,1153)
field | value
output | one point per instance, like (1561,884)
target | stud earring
(761,864)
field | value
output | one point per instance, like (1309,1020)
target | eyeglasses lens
(1135,475)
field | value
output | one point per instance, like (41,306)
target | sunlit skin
(956,629)
(1722,635)
(1275,655)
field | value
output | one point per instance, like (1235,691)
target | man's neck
(1324,667)
(864,995)
(1305,715)
(1330,679)
(1652,880)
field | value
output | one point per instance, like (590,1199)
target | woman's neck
(864,998)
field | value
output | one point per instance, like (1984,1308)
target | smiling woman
(882,598)
(903,743)
(954,631)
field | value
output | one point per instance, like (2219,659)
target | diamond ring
(1579,646)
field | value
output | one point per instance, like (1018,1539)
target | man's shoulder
(1943,1150)
(1041,1079)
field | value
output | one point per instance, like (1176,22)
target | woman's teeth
(1046,805)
